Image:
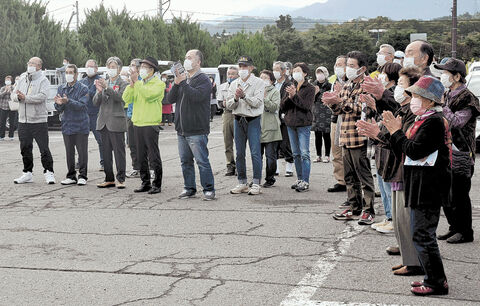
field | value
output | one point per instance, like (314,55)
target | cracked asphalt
(72,245)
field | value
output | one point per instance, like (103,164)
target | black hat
(151,62)
(245,60)
(454,66)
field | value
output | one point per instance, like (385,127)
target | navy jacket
(92,90)
(74,115)
(192,110)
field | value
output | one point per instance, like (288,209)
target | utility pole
(160,9)
(78,16)
(454,29)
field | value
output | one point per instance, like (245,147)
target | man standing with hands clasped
(245,99)
(191,92)
(72,100)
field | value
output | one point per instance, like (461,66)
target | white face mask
(31,69)
(277,75)
(90,71)
(69,78)
(8,83)
(320,77)
(243,73)
(267,83)
(112,73)
(65,63)
(397,61)
(287,72)
(381,60)
(340,72)
(124,77)
(188,65)
(445,79)
(352,73)
(298,76)
(409,62)
(383,78)
(435,71)
(143,73)
(398,94)
(164,79)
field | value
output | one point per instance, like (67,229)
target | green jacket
(147,101)
(270,120)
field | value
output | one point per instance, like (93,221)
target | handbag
(461,161)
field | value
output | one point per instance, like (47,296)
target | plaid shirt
(351,110)
(4,98)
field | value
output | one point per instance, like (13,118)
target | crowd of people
(421,126)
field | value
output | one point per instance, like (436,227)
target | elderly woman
(426,146)
(461,109)
(112,122)
(322,115)
(297,106)
(271,133)
(393,173)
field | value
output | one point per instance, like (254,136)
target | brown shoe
(393,251)
(408,271)
(106,185)
(397,267)
(120,185)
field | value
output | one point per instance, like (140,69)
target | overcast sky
(62,9)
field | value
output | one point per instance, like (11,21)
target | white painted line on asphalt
(306,288)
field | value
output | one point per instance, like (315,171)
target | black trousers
(318,143)
(27,132)
(80,142)
(359,180)
(12,121)
(132,144)
(149,153)
(113,142)
(424,222)
(459,214)
(284,149)
(271,150)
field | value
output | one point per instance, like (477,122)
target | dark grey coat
(111,113)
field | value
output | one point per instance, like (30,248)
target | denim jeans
(190,147)
(300,143)
(248,130)
(98,136)
(386,193)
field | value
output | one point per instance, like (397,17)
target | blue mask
(230,80)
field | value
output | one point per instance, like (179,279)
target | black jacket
(192,110)
(424,185)
(298,110)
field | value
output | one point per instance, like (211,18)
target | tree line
(26,31)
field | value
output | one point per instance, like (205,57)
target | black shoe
(393,250)
(187,194)
(446,235)
(155,190)
(268,184)
(344,205)
(230,172)
(337,188)
(143,188)
(460,238)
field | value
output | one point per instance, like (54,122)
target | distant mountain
(396,10)
(340,11)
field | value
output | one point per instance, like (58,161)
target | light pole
(378,31)
(454,29)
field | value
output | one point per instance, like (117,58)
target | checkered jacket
(4,98)
(351,110)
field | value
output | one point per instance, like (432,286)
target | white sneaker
(49,177)
(82,182)
(386,229)
(240,188)
(254,190)
(68,181)
(326,159)
(27,177)
(375,225)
